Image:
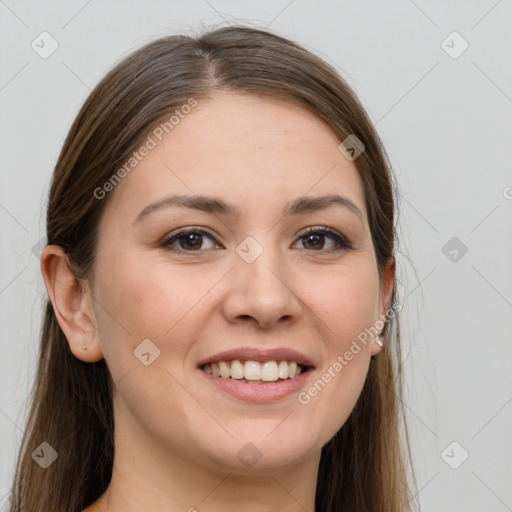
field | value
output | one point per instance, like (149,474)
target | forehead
(252,151)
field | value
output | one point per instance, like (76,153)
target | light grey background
(446,123)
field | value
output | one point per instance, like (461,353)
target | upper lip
(257,354)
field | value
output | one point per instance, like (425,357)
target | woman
(221,329)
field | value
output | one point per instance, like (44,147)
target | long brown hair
(364,467)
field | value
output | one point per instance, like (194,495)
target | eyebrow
(213,205)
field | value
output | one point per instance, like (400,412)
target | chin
(259,451)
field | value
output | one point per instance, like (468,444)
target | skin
(176,435)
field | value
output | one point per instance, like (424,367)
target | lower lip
(260,392)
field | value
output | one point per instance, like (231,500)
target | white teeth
(215,369)
(224,370)
(269,371)
(283,370)
(237,370)
(252,370)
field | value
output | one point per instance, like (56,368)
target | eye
(190,240)
(315,237)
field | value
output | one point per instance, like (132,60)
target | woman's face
(251,280)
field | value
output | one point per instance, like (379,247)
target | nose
(261,292)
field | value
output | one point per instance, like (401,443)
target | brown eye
(314,239)
(189,241)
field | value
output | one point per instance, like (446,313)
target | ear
(72,303)
(385,296)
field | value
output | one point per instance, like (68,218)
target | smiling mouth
(255,372)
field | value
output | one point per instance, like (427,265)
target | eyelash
(343,243)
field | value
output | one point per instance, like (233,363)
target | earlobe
(72,304)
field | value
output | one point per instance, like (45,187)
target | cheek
(142,302)
(345,303)
(146,300)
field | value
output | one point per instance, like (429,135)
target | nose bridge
(260,286)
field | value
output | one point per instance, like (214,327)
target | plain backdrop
(436,79)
